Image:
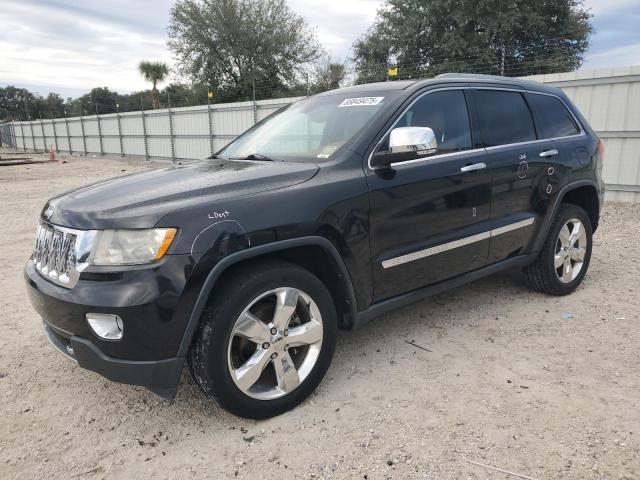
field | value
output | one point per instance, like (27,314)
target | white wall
(179,134)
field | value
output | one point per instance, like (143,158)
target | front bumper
(154,305)
(161,377)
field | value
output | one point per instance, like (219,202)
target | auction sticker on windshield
(360,101)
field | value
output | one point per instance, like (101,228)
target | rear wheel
(565,254)
(266,341)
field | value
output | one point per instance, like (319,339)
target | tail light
(600,148)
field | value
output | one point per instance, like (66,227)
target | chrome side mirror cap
(406,143)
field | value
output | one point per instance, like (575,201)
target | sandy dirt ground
(543,387)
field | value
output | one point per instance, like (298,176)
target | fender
(253,252)
(551,212)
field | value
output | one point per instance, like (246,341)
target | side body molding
(254,252)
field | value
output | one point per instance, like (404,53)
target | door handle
(475,166)
(549,153)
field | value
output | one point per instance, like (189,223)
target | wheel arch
(314,253)
(585,196)
(583,193)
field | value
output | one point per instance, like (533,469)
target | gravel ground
(545,387)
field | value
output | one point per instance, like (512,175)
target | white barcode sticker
(360,101)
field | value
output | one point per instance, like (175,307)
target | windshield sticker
(360,101)
(327,151)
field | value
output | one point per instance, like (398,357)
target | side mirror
(406,143)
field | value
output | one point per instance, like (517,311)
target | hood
(140,200)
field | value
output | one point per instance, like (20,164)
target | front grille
(55,253)
(61,253)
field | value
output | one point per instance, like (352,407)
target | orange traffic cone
(52,155)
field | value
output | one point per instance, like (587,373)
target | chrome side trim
(512,226)
(427,252)
(410,257)
(436,157)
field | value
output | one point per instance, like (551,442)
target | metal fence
(174,133)
(608,98)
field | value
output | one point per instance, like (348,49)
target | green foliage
(21,104)
(233,45)
(327,75)
(154,72)
(428,37)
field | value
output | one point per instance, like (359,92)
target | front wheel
(565,254)
(266,340)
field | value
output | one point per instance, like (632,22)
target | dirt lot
(541,386)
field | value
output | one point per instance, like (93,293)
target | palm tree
(154,72)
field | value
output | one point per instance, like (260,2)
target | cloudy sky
(69,46)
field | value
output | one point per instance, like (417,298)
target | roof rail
(473,75)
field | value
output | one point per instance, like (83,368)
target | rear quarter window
(553,119)
(504,117)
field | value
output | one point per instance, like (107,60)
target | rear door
(429,214)
(518,163)
(554,121)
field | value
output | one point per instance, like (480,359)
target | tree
(327,75)
(15,102)
(510,37)
(237,46)
(54,105)
(154,72)
(98,100)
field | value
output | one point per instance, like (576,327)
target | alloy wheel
(571,248)
(275,343)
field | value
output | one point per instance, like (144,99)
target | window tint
(552,117)
(445,112)
(504,117)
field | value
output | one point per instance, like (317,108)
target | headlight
(127,247)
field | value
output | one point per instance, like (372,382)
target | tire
(231,333)
(542,274)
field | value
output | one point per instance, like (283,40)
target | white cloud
(66,49)
(600,6)
(614,57)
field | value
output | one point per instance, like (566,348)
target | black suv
(329,212)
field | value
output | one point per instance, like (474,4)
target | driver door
(430,213)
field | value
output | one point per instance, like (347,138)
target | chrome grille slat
(54,256)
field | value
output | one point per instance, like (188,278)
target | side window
(504,117)
(552,117)
(445,112)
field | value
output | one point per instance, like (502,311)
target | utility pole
(144,130)
(66,124)
(173,148)
(99,130)
(255,107)
(210,120)
(119,126)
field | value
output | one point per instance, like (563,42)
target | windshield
(311,129)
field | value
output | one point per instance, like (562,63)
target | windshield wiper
(254,156)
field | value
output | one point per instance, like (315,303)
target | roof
(367,87)
(477,77)
(444,78)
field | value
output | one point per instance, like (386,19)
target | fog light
(105,326)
